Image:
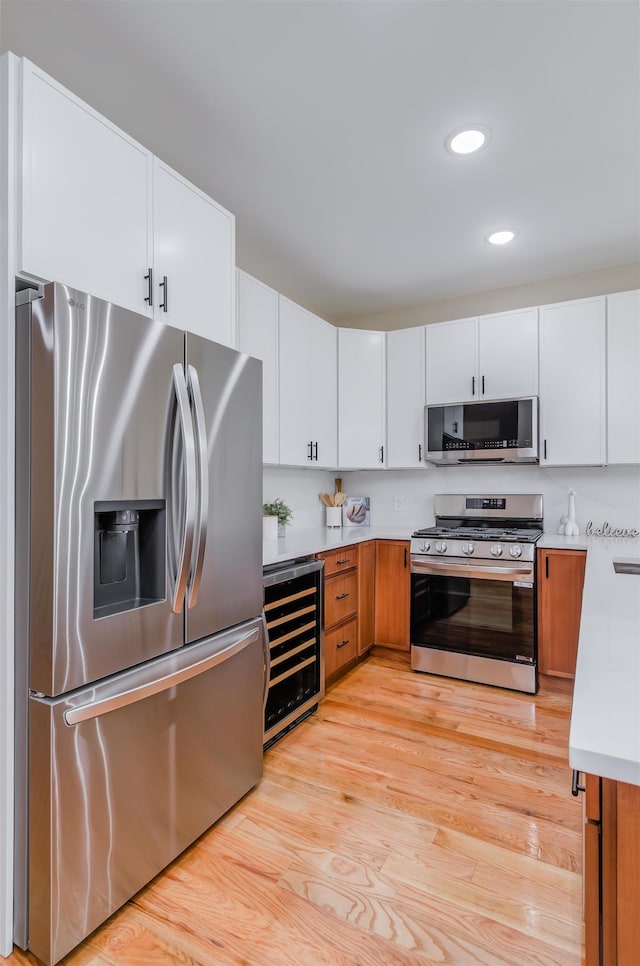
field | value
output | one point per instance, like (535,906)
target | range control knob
(425,546)
(496,550)
(467,549)
(441,546)
(515,550)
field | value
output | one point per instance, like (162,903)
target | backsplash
(609,493)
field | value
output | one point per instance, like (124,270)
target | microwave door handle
(184,412)
(95,709)
(202,454)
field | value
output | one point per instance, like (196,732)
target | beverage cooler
(293,616)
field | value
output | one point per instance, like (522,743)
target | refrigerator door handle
(184,410)
(202,454)
(96,709)
(267,660)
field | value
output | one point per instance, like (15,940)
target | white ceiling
(321,125)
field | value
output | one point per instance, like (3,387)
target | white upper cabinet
(361,399)
(100,213)
(85,199)
(308,388)
(508,355)
(491,357)
(572,383)
(257,315)
(623,382)
(452,360)
(405,397)
(194,258)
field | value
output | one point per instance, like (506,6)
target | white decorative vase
(269,528)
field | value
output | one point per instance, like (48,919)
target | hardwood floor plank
(411,820)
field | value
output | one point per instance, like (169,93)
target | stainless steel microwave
(486,431)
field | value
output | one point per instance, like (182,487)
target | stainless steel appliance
(473,590)
(486,431)
(293,615)
(141,663)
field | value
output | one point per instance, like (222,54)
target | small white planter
(269,528)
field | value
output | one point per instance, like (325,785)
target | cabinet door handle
(347,560)
(473,385)
(483,385)
(310,449)
(315,451)
(341,596)
(149,278)
(341,644)
(382,454)
(576,788)
(546,566)
(419,452)
(405,556)
(164,285)
(545,449)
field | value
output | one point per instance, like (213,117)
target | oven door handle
(511,572)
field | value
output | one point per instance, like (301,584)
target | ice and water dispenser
(129,555)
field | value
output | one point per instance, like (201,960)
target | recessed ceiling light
(468,140)
(501,237)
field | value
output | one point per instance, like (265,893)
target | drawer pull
(343,561)
(341,644)
(341,596)
(576,787)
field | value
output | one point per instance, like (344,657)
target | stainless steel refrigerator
(141,663)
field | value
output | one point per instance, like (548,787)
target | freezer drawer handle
(97,708)
(200,536)
(182,397)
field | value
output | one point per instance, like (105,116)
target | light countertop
(303,543)
(605,719)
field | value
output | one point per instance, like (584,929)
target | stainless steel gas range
(473,590)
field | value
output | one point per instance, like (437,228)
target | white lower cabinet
(623,382)
(361,399)
(405,398)
(572,383)
(257,321)
(308,388)
(193,258)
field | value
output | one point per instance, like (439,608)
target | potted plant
(279,509)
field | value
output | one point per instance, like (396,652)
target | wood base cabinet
(560,581)
(393,593)
(611,872)
(348,606)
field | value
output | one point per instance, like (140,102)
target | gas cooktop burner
(517,535)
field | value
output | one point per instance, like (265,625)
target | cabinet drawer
(340,598)
(340,646)
(337,560)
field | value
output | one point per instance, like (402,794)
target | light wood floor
(412,819)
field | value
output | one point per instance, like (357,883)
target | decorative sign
(606,530)
(355,511)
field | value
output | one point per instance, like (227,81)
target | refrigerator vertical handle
(202,458)
(184,411)
(267,660)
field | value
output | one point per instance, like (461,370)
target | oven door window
(483,617)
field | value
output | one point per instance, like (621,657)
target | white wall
(608,493)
